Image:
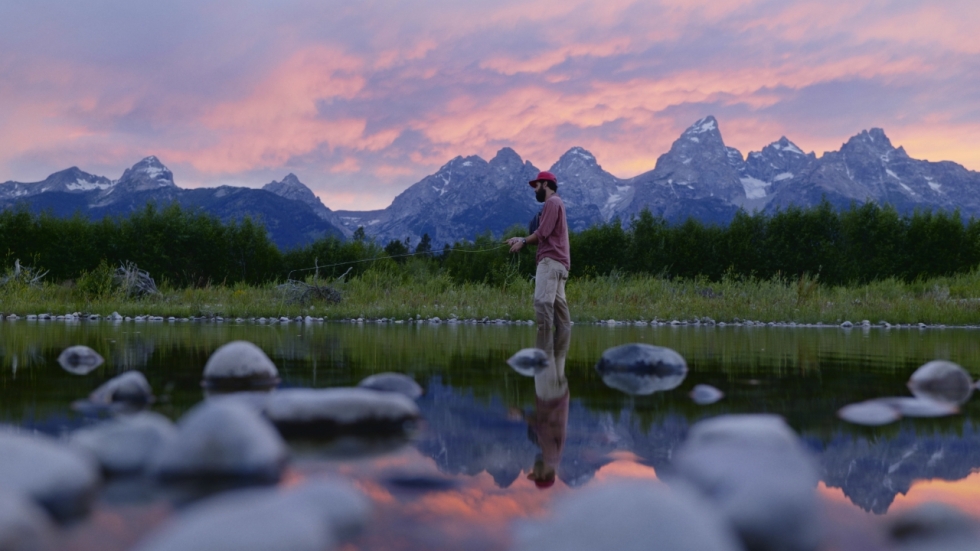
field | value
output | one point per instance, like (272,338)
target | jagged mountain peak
(874,139)
(785,145)
(506,155)
(148,173)
(291,187)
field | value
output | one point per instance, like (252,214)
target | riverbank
(950,301)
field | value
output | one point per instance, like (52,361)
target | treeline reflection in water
(476,408)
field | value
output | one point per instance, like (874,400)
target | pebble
(629,516)
(393,382)
(942,381)
(322,412)
(130,388)
(23,525)
(225,439)
(755,470)
(641,369)
(61,479)
(240,364)
(312,517)
(528,361)
(79,359)
(126,444)
(703,395)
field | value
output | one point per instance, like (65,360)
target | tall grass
(402,294)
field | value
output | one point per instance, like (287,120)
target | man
(553,256)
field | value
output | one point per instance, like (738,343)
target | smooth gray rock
(528,361)
(79,359)
(641,369)
(871,413)
(313,517)
(629,516)
(240,364)
(322,412)
(61,479)
(941,381)
(126,444)
(222,439)
(754,469)
(23,525)
(920,407)
(703,395)
(393,382)
(130,387)
(933,527)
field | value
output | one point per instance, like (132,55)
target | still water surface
(461,482)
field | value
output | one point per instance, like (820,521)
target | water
(462,481)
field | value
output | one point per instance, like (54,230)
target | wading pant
(550,306)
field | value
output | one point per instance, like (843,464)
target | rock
(920,407)
(393,382)
(528,361)
(311,517)
(23,525)
(324,412)
(871,413)
(703,395)
(79,359)
(942,381)
(130,388)
(57,477)
(641,368)
(240,364)
(629,516)
(126,444)
(755,470)
(933,527)
(222,439)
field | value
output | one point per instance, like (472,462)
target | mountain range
(698,177)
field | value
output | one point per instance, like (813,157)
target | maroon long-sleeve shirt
(552,233)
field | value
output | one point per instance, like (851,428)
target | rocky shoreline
(655,322)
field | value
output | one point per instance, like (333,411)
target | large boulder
(755,470)
(941,381)
(528,361)
(61,479)
(223,439)
(325,412)
(630,516)
(641,369)
(240,364)
(313,517)
(126,444)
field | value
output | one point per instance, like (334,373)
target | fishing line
(430,253)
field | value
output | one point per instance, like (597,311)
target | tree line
(192,248)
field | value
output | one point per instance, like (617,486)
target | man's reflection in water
(547,425)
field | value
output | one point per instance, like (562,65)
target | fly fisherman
(553,256)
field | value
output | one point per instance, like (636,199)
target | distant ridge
(699,177)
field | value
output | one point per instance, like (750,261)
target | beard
(539,194)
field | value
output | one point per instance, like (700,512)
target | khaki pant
(550,306)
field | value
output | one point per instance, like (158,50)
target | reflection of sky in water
(475,432)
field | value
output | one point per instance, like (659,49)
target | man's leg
(563,318)
(546,282)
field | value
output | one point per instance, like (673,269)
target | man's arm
(517,243)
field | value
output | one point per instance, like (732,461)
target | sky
(360,98)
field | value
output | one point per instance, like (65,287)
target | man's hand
(516,244)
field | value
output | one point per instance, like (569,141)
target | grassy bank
(951,300)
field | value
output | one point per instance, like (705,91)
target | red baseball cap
(544,176)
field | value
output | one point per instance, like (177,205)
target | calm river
(462,481)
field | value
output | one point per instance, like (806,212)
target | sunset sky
(360,99)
